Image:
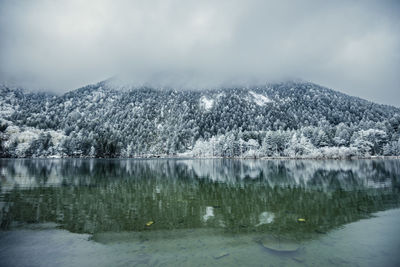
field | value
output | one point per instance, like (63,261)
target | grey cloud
(352,46)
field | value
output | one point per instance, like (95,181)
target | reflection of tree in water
(97,196)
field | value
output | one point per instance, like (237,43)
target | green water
(207,212)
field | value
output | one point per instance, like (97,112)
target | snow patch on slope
(206,103)
(260,100)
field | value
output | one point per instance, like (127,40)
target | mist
(350,46)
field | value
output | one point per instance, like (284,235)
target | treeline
(310,142)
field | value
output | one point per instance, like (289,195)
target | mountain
(293,119)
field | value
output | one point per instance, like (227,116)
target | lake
(199,212)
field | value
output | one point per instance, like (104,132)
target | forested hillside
(292,119)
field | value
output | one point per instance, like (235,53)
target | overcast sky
(350,46)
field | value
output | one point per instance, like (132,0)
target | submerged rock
(279,244)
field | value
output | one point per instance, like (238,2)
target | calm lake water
(208,212)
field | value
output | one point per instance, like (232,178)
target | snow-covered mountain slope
(103,120)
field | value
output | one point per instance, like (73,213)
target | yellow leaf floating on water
(301,220)
(149,223)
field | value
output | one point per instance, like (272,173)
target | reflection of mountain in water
(94,196)
(321,174)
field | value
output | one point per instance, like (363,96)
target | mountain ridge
(104,120)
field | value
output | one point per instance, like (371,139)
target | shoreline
(214,157)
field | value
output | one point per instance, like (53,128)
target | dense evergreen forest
(287,119)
